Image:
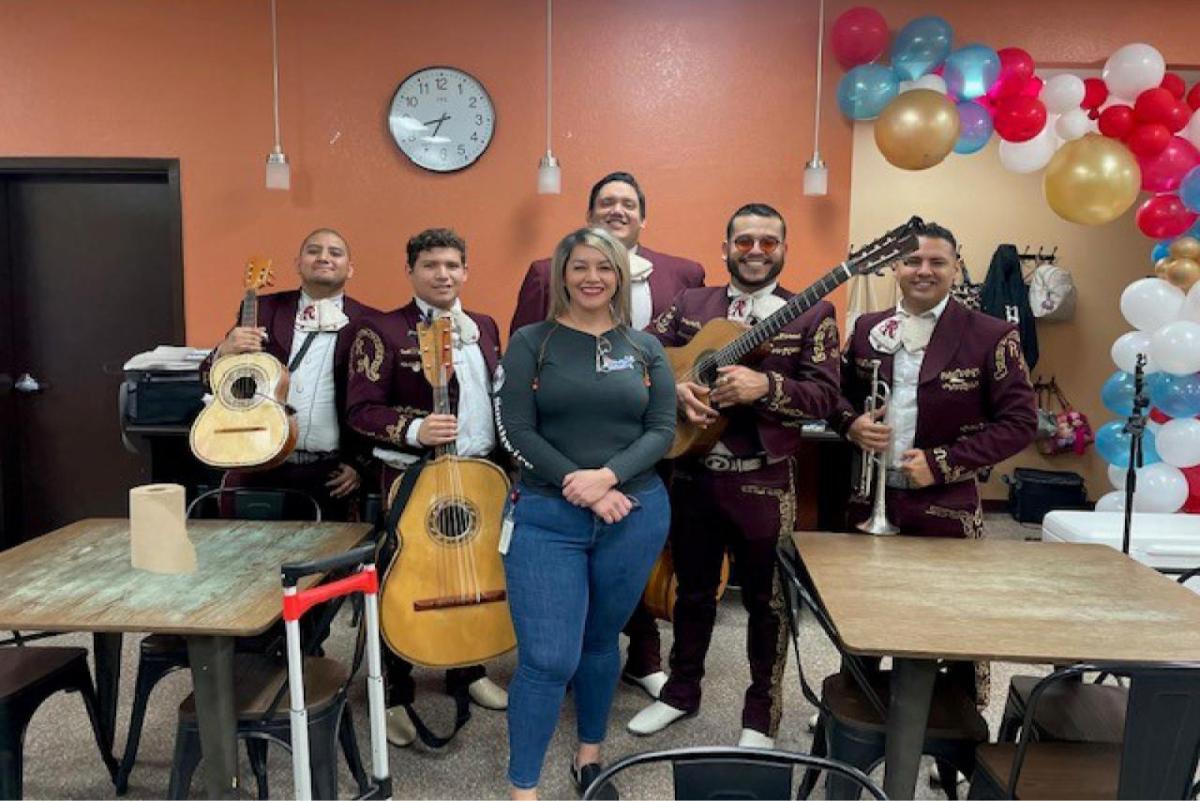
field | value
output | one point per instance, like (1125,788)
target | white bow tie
(639,267)
(912,332)
(755,306)
(321,315)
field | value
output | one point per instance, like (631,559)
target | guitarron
(720,342)
(444,602)
(248,424)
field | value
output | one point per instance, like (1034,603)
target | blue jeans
(573,582)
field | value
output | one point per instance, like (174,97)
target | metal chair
(28,676)
(162,654)
(1156,757)
(744,773)
(852,708)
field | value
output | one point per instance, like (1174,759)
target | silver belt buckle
(719,463)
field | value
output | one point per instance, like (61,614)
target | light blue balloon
(971,71)
(1160,251)
(1117,393)
(975,127)
(1189,189)
(1175,395)
(921,46)
(865,90)
(1112,443)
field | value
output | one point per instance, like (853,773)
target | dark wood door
(90,259)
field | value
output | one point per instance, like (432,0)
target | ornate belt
(722,463)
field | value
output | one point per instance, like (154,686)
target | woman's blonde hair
(613,250)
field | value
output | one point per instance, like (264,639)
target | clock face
(442,118)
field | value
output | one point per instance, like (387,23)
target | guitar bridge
(451,601)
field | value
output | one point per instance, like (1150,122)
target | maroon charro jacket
(671,276)
(975,406)
(801,367)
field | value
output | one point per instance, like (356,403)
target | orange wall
(709,102)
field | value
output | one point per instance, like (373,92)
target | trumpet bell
(879,525)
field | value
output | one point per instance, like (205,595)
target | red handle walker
(295,604)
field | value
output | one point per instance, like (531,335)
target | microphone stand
(1135,426)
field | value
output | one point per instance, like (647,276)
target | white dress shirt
(639,290)
(312,390)
(906,371)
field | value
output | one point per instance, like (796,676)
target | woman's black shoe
(582,777)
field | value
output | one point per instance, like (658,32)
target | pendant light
(279,173)
(816,174)
(549,179)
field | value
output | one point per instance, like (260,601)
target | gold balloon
(1092,180)
(1162,265)
(1185,247)
(1183,273)
(917,130)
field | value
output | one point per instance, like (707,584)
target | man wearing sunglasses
(618,204)
(740,495)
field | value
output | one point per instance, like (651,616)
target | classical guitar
(248,424)
(444,602)
(721,342)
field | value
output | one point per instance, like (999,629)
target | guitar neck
(441,405)
(249,317)
(796,305)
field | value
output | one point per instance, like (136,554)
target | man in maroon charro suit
(740,495)
(391,402)
(618,204)
(329,458)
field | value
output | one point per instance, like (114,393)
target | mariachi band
(594,392)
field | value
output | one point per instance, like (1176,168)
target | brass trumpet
(872,477)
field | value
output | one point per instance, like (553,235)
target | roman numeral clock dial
(442,119)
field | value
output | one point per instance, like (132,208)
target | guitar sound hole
(244,388)
(452,521)
(706,369)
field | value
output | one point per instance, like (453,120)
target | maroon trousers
(748,514)
(943,510)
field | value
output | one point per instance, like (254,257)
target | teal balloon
(1175,395)
(865,90)
(1189,189)
(975,127)
(1117,393)
(1112,443)
(921,46)
(971,71)
(1160,251)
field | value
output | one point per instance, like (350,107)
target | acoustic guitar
(248,425)
(720,342)
(444,602)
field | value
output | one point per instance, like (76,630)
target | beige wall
(985,205)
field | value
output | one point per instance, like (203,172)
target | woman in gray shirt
(586,405)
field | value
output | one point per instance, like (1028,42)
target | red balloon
(1117,122)
(1016,68)
(1164,172)
(1164,217)
(1179,117)
(1148,140)
(1192,504)
(1193,97)
(1154,105)
(1020,118)
(1095,92)
(1033,87)
(1158,415)
(859,36)
(1174,84)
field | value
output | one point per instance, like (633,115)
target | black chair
(852,708)
(749,773)
(162,654)
(1156,757)
(28,676)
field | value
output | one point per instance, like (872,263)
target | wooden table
(918,599)
(79,578)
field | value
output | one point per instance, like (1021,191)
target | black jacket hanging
(1006,296)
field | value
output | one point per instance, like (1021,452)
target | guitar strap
(462,700)
(308,340)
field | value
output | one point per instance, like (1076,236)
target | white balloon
(1176,347)
(907,86)
(1072,124)
(1192,131)
(1116,476)
(1178,442)
(1150,303)
(1111,502)
(1127,347)
(1191,305)
(1063,93)
(1133,69)
(930,81)
(1031,155)
(1161,488)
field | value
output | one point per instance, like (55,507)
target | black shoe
(583,776)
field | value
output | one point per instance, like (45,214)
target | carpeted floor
(61,759)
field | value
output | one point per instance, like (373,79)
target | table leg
(211,659)
(106,650)
(908,713)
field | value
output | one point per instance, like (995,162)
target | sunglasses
(745,243)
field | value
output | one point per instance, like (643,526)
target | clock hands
(439,122)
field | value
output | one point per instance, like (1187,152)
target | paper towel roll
(158,539)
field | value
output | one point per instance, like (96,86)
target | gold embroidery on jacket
(961,379)
(367,354)
(972,522)
(1008,349)
(663,324)
(779,401)
(825,341)
(689,323)
(950,474)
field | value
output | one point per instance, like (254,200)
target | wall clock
(442,119)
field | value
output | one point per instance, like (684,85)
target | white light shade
(816,177)
(549,181)
(279,174)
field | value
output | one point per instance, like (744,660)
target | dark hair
(333,231)
(623,177)
(755,210)
(432,238)
(931,230)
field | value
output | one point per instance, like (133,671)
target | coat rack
(1041,257)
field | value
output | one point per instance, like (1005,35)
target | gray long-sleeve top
(557,413)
